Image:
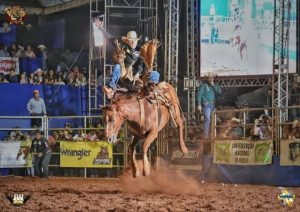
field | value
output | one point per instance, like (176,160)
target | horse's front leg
(149,139)
(132,153)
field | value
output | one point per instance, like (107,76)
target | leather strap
(141,102)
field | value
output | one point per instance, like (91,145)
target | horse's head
(114,121)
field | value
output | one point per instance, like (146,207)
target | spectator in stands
(80,135)
(59,81)
(42,53)
(13,77)
(31,78)
(76,78)
(3,79)
(36,107)
(62,66)
(23,78)
(40,146)
(39,76)
(15,51)
(68,132)
(29,53)
(3,52)
(51,77)
(206,99)
(92,136)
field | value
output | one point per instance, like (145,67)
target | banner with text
(15,154)
(86,154)
(8,63)
(243,152)
(290,152)
(192,160)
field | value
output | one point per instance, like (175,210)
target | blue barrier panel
(30,65)
(8,38)
(60,100)
(272,174)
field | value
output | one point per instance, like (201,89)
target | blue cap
(154,77)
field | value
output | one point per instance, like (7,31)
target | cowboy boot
(108,91)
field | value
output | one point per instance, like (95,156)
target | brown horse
(144,119)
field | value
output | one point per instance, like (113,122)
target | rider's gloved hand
(200,108)
(136,76)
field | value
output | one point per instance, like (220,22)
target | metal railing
(50,124)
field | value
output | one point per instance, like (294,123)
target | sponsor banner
(8,63)
(15,154)
(189,161)
(86,154)
(290,152)
(243,152)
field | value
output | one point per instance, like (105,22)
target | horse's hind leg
(135,169)
(180,125)
(149,139)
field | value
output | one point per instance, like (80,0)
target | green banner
(290,152)
(243,152)
(86,154)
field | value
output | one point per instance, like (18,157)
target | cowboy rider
(130,61)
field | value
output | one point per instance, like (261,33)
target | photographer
(206,100)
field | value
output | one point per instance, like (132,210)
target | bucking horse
(145,118)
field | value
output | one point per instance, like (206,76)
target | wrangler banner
(86,154)
(15,154)
(243,152)
(290,152)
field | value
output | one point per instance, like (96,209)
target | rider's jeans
(115,76)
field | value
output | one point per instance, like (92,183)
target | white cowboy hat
(41,46)
(131,35)
(235,119)
(210,74)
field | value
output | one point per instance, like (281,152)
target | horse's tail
(175,100)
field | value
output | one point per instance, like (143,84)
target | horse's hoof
(137,174)
(147,173)
(146,170)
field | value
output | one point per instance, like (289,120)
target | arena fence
(247,124)
(60,131)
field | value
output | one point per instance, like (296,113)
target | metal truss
(280,77)
(171,41)
(190,84)
(122,16)
(193,51)
(95,63)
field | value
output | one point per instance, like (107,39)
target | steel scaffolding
(95,62)
(193,51)
(125,15)
(119,17)
(171,41)
(280,78)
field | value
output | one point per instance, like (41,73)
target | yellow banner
(243,152)
(86,154)
(290,152)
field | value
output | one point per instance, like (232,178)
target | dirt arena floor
(162,191)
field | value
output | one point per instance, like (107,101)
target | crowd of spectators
(68,133)
(59,75)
